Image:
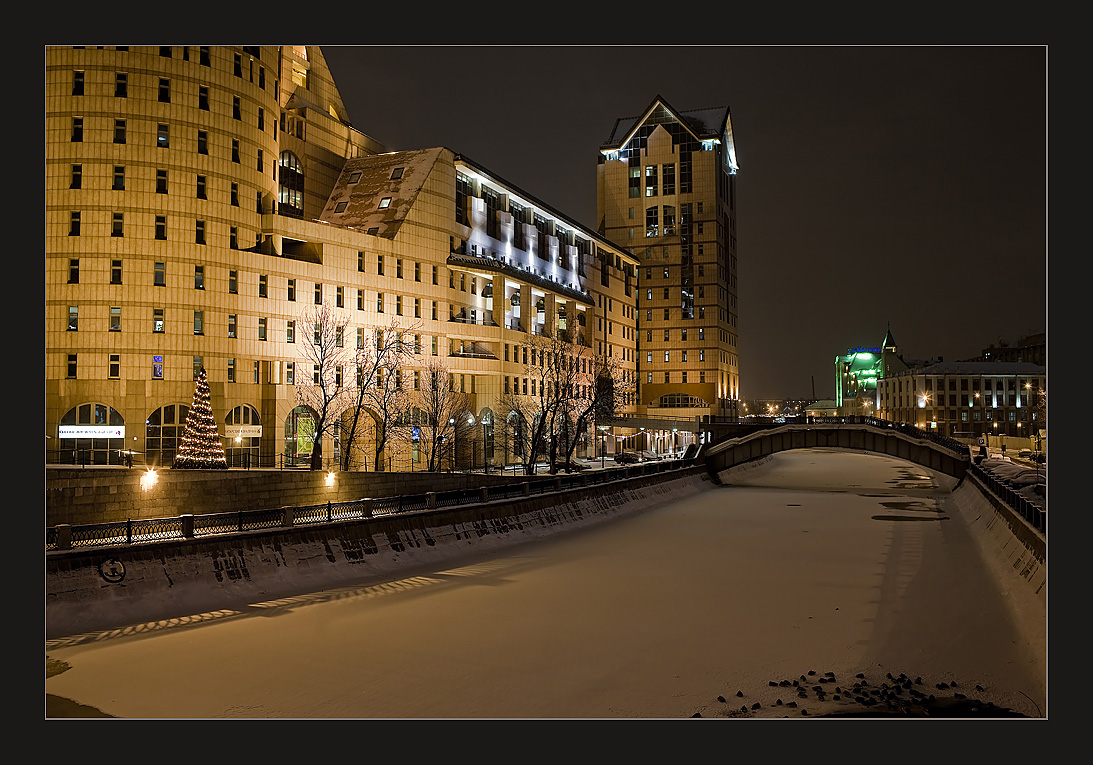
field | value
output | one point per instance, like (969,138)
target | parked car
(647,456)
(627,458)
(567,467)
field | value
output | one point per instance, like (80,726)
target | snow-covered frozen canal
(816,560)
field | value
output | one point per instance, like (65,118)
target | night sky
(878,186)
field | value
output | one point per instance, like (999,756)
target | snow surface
(817,560)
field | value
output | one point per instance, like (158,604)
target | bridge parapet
(864,434)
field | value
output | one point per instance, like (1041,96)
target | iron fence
(133,531)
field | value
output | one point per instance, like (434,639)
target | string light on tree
(201,448)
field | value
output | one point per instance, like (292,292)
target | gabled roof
(374,184)
(703,123)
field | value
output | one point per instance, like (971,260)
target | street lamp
(455,442)
(603,446)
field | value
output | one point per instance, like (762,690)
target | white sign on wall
(91,431)
(242,431)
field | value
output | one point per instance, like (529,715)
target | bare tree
(379,396)
(445,411)
(324,351)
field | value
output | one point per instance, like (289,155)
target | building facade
(202,202)
(667,192)
(969,398)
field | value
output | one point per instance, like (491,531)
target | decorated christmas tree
(201,448)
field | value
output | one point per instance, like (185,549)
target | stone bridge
(866,434)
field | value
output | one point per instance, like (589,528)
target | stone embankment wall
(79,496)
(109,587)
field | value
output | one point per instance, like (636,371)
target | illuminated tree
(201,447)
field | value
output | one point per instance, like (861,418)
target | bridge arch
(949,458)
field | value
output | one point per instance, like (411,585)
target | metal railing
(133,531)
(1033,512)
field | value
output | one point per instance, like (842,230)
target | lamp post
(603,446)
(455,442)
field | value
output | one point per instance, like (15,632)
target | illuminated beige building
(666,192)
(200,199)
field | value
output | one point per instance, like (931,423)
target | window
(340,297)
(290,372)
(199,232)
(71,374)
(398,268)
(385,202)
(117,227)
(651,180)
(360,300)
(119,131)
(238,65)
(261,119)
(379,265)
(231,325)
(259,160)
(318,294)
(236,112)
(157,320)
(233,238)
(115,272)
(199,277)
(204,55)
(165,51)
(73,318)
(115,319)
(199,322)
(164,90)
(379,302)
(114,370)
(121,84)
(417,308)
(339,336)
(202,142)
(263,282)
(74,224)
(161,227)
(159,278)
(290,331)
(262,328)
(231,370)
(119,178)
(163,136)
(201,194)
(77,177)
(398,305)
(198,364)
(340,207)
(161,181)
(202,98)
(434,277)
(235,150)
(77,129)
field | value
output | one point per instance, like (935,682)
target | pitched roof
(704,123)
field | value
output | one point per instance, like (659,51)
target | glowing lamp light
(148,480)
(330,478)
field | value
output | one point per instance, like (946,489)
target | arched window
(242,436)
(163,434)
(92,434)
(290,194)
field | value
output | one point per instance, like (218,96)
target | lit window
(385,202)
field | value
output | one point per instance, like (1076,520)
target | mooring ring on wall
(112,570)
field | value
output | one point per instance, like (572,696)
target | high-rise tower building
(667,192)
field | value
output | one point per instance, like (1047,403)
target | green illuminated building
(857,372)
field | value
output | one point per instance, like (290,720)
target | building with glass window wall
(201,199)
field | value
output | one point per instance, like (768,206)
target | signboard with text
(91,431)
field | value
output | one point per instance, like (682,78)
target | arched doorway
(299,436)
(242,436)
(163,434)
(92,434)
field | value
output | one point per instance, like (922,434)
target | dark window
(117,224)
(161,181)
(164,90)
(199,234)
(77,129)
(201,187)
(236,112)
(165,51)
(204,58)
(115,272)
(121,84)
(77,83)
(119,131)
(74,271)
(202,142)
(77,177)
(163,136)
(203,97)
(235,150)
(238,65)
(235,195)
(161,227)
